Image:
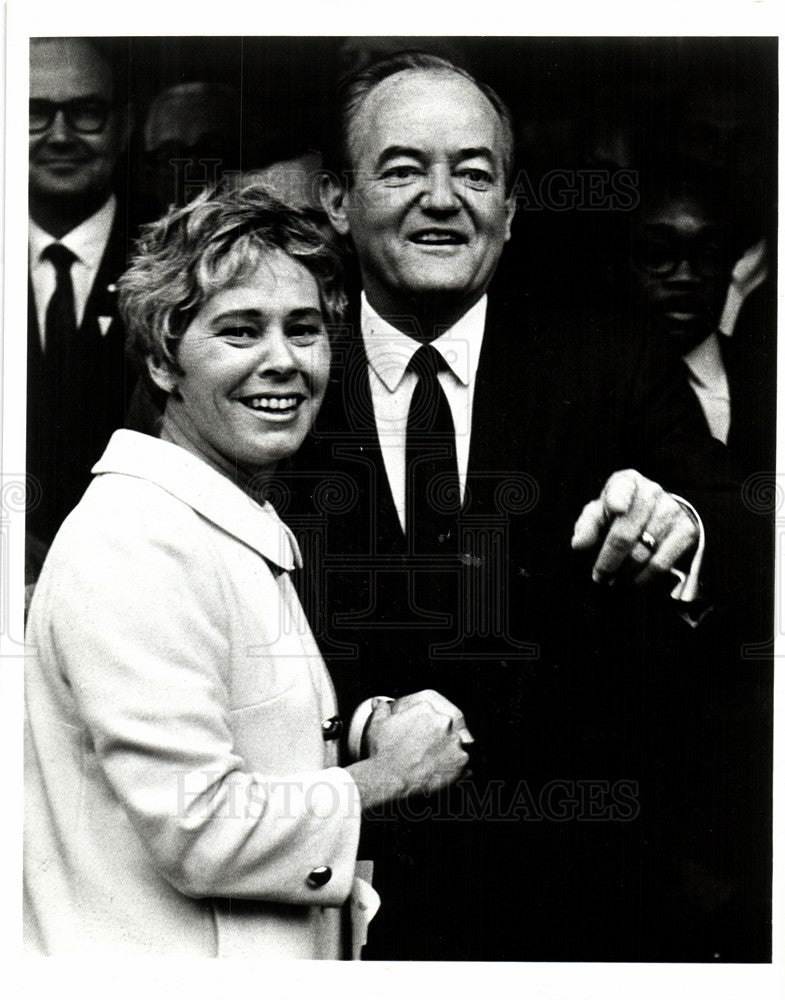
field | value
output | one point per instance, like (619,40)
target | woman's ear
(162,375)
(333,198)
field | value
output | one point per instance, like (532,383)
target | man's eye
(401,174)
(476,177)
(305,334)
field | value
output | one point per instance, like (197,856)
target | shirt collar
(389,350)
(203,489)
(88,240)
(706,365)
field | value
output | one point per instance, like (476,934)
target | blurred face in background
(681,267)
(191,138)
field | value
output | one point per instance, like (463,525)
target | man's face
(427,211)
(682,265)
(65,161)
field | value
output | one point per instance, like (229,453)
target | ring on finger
(648,541)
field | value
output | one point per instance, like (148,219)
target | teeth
(435,238)
(272,402)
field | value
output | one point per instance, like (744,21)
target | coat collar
(206,491)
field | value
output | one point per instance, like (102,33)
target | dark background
(578,103)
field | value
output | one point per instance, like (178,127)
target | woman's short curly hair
(211,243)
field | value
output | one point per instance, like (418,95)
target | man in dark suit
(78,242)
(681,256)
(438,501)
(685,237)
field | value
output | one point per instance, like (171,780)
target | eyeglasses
(661,256)
(82,115)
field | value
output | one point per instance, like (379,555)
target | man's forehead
(681,210)
(415,102)
(63,68)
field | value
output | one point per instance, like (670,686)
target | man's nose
(685,272)
(439,194)
(59,130)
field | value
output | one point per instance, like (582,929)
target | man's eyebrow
(477,151)
(483,152)
(392,151)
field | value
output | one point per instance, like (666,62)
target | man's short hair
(355,87)
(214,241)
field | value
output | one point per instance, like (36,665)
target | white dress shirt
(750,271)
(88,243)
(389,352)
(709,382)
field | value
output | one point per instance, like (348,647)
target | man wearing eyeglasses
(78,242)
(682,251)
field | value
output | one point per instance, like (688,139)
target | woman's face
(256,360)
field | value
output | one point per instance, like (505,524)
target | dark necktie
(432,484)
(60,325)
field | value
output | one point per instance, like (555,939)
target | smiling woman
(183,788)
(253,368)
(227,304)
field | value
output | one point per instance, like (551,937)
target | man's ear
(333,198)
(162,375)
(510,206)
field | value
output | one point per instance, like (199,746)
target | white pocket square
(104,322)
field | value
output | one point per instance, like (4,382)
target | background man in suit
(461,439)
(682,252)
(78,242)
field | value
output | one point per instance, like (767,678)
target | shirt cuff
(688,584)
(360,719)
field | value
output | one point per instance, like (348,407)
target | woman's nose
(276,354)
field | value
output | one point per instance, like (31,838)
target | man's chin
(686,335)
(58,185)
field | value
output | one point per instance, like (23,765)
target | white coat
(180,796)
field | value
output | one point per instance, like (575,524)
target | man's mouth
(683,309)
(279,405)
(62,163)
(438,237)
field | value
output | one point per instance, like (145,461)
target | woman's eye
(238,333)
(305,333)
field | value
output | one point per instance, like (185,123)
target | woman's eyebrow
(306,311)
(235,315)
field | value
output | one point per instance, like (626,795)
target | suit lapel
(347,428)
(504,396)
(99,322)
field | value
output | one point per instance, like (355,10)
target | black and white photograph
(390,506)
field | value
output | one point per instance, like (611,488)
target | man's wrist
(358,726)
